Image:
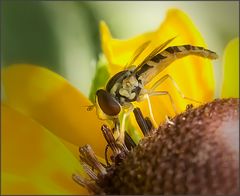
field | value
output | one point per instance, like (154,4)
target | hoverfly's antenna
(89,107)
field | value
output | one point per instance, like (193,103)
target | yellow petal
(194,75)
(230,86)
(54,103)
(33,160)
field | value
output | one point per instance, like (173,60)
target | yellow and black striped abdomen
(184,50)
(163,59)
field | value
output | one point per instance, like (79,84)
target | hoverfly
(128,85)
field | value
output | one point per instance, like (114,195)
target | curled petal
(54,103)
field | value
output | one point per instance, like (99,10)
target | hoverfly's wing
(153,53)
(136,54)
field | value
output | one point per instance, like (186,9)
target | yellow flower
(230,86)
(42,114)
(44,121)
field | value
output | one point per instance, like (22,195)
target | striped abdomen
(161,60)
(184,50)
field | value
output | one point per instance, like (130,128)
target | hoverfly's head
(107,103)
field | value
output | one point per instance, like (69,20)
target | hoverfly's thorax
(116,79)
(124,86)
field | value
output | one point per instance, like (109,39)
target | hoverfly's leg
(146,96)
(169,121)
(128,109)
(156,93)
(116,128)
(161,80)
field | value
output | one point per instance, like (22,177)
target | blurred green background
(64,35)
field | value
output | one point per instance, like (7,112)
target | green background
(64,35)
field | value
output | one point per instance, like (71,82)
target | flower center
(191,155)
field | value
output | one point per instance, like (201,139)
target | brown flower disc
(196,155)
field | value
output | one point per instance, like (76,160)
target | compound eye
(108,103)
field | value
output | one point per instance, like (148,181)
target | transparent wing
(136,54)
(153,53)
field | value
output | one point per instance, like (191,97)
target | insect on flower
(128,85)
